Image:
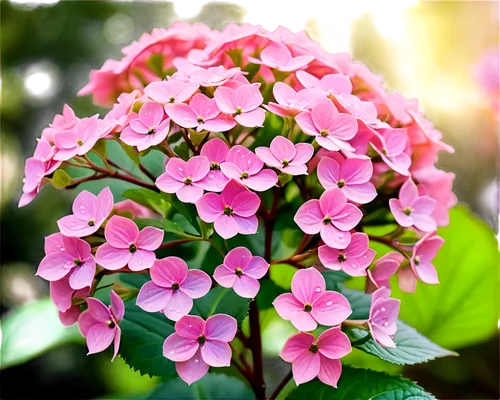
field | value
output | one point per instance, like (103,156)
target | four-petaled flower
(78,141)
(244,166)
(173,288)
(278,56)
(290,103)
(242,103)
(198,344)
(330,216)
(320,358)
(216,151)
(384,313)
(421,259)
(89,212)
(99,324)
(241,271)
(232,211)
(330,128)
(126,245)
(310,303)
(148,129)
(332,84)
(384,268)
(411,209)
(353,260)
(391,145)
(282,154)
(171,91)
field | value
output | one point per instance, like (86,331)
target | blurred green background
(426,50)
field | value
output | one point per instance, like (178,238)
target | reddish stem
(282,384)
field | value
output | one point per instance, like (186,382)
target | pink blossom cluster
(358,156)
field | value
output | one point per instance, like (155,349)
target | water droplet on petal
(196,360)
(317,290)
(329,303)
(383,309)
(386,323)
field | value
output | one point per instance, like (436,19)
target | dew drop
(72,224)
(196,360)
(317,290)
(190,326)
(171,352)
(382,309)
(386,323)
(329,303)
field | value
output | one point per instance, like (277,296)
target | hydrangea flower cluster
(255,128)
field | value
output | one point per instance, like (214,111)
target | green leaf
(463,308)
(166,225)
(61,179)
(143,335)
(150,199)
(131,152)
(267,293)
(411,346)
(222,301)
(362,384)
(155,63)
(334,278)
(211,386)
(100,147)
(32,330)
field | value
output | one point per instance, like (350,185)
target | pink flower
(171,91)
(242,104)
(89,212)
(391,148)
(383,316)
(413,210)
(126,245)
(198,344)
(384,268)
(99,324)
(330,128)
(232,212)
(201,113)
(116,119)
(352,176)
(173,288)
(353,260)
(62,295)
(310,303)
(185,178)
(34,173)
(148,129)
(424,252)
(282,154)
(133,209)
(73,258)
(290,103)
(244,166)
(334,84)
(241,271)
(77,141)
(278,56)
(320,358)
(216,151)
(330,216)
(62,122)
(206,77)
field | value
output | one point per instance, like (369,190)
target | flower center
(110,324)
(78,263)
(244,175)
(201,339)
(238,271)
(285,163)
(314,348)
(308,308)
(215,165)
(342,257)
(327,220)
(91,222)
(175,286)
(228,210)
(132,248)
(341,183)
(188,181)
(151,131)
(407,210)
(171,99)
(79,142)
(323,133)
(238,110)
(416,260)
(200,119)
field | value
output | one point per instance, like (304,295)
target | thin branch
(282,384)
(258,386)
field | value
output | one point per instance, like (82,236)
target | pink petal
(262,180)
(153,298)
(381,337)
(216,353)
(424,222)
(306,367)
(297,62)
(99,337)
(193,369)
(399,214)
(292,169)
(247,225)
(305,122)
(221,327)
(169,270)
(141,260)
(177,169)
(287,306)
(182,115)
(226,100)
(83,276)
(296,345)
(360,193)
(307,284)
(328,172)
(246,286)
(77,248)
(275,55)
(309,217)
(53,243)
(283,93)
(190,327)
(267,157)
(358,246)
(224,276)
(334,344)
(232,189)
(168,184)
(329,257)
(222,123)
(85,206)
(54,266)
(196,285)
(150,238)
(330,371)
(356,170)
(70,316)
(249,97)
(61,293)
(245,204)
(238,257)
(244,159)
(189,193)
(204,106)
(178,348)
(323,115)
(333,237)
(257,267)
(226,226)
(85,322)
(105,203)
(252,118)
(98,310)
(215,150)
(121,232)
(179,305)
(348,218)
(112,258)
(73,226)
(305,152)
(408,192)
(116,347)
(197,168)
(117,305)
(407,281)
(330,308)
(332,202)
(151,114)
(231,171)
(303,321)
(215,181)
(210,207)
